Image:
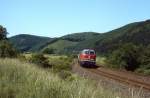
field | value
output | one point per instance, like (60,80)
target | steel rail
(119,78)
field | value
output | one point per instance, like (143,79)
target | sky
(55,18)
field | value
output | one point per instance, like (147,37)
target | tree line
(131,57)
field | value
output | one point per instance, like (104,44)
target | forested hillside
(25,42)
(137,33)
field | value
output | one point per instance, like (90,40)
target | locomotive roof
(87,49)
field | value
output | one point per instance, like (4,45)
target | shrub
(7,50)
(40,60)
(48,51)
(127,56)
(144,71)
(145,57)
(60,63)
(131,57)
(147,71)
(72,56)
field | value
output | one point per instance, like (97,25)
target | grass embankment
(25,80)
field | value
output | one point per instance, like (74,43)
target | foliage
(78,37)
(131,57)
(61,46)
(60,63)
(25,80)
(40,60)
(145,61)
(48,51)
(143,70)
(145,57)
(30,43)
(127,56)
(57,63)
(137,33)
(3,33)
(7,50)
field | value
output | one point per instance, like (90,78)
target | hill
(25,42)
(137,33)
(71,42)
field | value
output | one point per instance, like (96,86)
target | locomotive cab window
(92,52)
(85,52)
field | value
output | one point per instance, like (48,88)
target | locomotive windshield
(91,52)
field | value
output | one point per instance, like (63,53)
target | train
(87,58)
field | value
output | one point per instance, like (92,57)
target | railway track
(122,79)
(128,80)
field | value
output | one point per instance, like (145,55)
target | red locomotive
(87,57)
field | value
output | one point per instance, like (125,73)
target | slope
(69,43)
(104,43)
(25,42)
(137,33)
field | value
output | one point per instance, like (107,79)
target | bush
(7,50)
(40,60)
(127,56)
(60,63)
(48,51)
(147,71)
(131,57)
(144,71)
(145,57)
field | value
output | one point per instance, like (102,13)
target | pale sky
(54,18)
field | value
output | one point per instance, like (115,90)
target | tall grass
(24,80)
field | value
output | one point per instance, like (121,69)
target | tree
(3,33)
(145,57)
(7,50)
(127,56)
